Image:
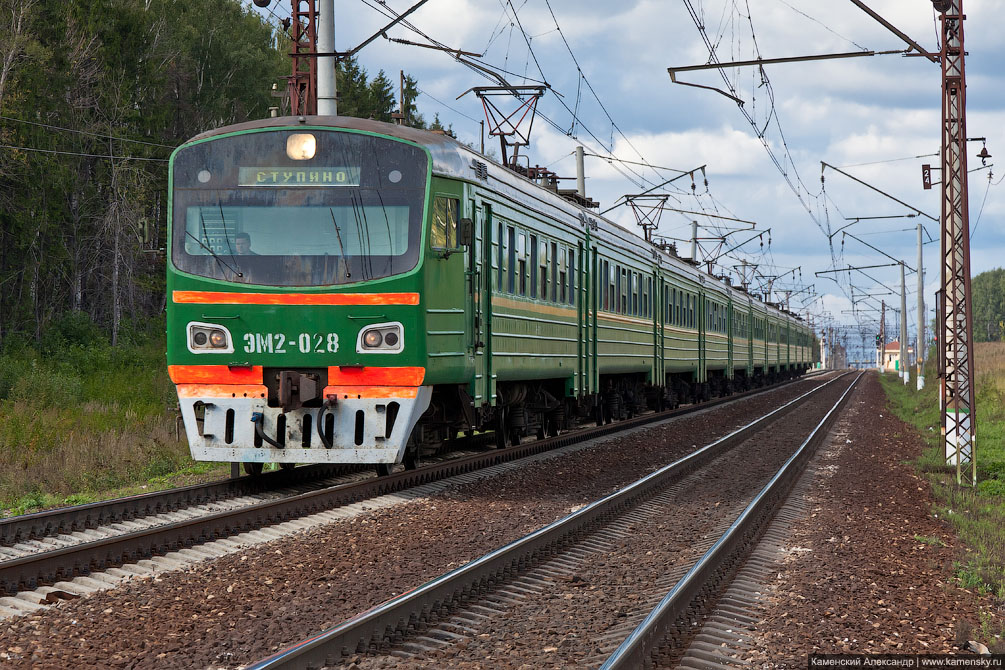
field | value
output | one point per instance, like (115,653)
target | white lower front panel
(360,431)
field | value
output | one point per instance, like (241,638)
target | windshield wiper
(226,235)
(341,248)
(219,260)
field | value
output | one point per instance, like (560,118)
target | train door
(730,338)
(599,280)
(583,291)
(655,312)
(749,334)
(701,310)
(481,312)
(472,302)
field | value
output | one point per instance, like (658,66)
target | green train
(349,291)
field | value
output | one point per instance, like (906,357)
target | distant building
(890,357)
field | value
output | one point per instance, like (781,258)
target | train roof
(454,159)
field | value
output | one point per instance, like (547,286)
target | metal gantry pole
(959,420)
(920,354)
(580,172)
(882,335)
(326,67)
(303,80)
(905,369)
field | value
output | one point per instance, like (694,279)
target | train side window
(543,269)
(446,212)
(623,305)
(617,293)
(533,266)
(611,301)
(522,263)
(562,277)
(553,261)
(572,276)
(633,293)
(691,300)
(501,253)
(649,297)
(601,279)
(642,296)
(636,294)
(510,259)
(644,308)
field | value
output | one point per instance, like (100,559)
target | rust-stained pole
(920,353)
(882,335)
(905,370)
(959,421)
(303,81)
(896,31)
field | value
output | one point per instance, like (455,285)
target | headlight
(380,338)
(218,339)
(301,146)
(209,338)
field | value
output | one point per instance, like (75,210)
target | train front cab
(295,323)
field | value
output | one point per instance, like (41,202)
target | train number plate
(281,343)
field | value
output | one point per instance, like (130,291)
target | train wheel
(554,426)
(504,436)
(411,459)
(253,469)
(384,469)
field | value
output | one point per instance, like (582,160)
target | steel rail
(51,522)
(412,610)
(33,570)
(672,610)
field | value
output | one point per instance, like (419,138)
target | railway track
(57,545)
(629,573)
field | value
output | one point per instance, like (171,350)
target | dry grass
(989,364)
(977,515)
(86,424)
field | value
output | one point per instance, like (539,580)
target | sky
(605,63)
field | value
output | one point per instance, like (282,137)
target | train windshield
(298,208)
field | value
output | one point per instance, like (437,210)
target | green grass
(81,420)
(977,515)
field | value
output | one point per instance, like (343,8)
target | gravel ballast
(236,609)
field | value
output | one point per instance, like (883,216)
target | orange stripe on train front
(225,298)
(381,392)
(372,376)
(222,391)
(215,374)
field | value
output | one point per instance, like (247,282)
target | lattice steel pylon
(959,424)
(303,82)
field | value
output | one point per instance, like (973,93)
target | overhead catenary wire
(103,136)
(86,155)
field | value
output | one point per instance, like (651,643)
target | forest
(988,291)
(94,95)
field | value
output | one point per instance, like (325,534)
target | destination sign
(306,176)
